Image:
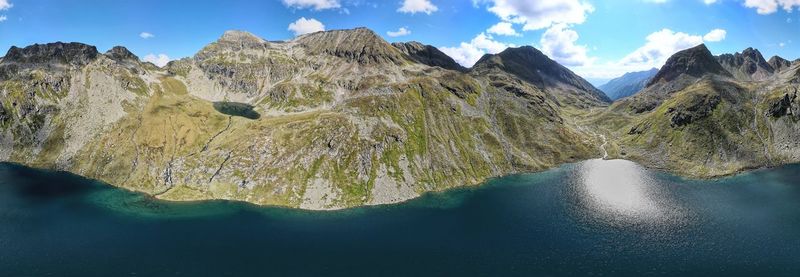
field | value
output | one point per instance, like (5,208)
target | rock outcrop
(779,64)
(748,65)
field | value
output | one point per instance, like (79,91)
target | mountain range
(628,84)
(343,118)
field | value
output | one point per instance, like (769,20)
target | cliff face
(328,120)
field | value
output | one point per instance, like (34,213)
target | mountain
(747,65)
(779,64)
(428,55)
(531,65)
(628,84)
(698,119)
(681,70)
(327,120)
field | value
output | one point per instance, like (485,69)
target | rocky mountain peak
(533,66)
(359,45)
(747,65)
(428,55)
(240,36)
(779,64)
(695,62)
(58,52)
(120,54)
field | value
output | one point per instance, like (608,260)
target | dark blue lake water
(595,218)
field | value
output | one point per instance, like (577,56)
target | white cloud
(503,29)
(415,6)
(146,35)
(313,4)
(399,33)
(5,4)
(304,26)
(536,15)
(3,18)
(662,44)
(782,44)
(468,53)
(771,6)
(558,42)
(715,35)
(159,60)
(659,46)
(707,2)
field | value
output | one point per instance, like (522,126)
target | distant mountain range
(342,118)
(628,84)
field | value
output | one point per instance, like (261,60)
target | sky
(599,40)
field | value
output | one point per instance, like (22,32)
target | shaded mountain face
(120,53)
(428,55)
(694,62)
(681,70)
(747,65)
(327,120)
(532,66)
(52,53)
(628,84)
(779,64)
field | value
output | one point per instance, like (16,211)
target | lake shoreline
(444,190)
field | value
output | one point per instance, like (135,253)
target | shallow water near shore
(594,218)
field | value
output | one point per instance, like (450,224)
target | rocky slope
(530,65)
(627,84)
(748,65)
(328,120)
(699,119)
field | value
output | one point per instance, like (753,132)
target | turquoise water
(595,218)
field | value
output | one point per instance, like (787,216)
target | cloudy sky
(597,39)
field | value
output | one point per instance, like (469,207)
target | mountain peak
(428,55)
(695,62)
(779,64)
(360,45)
(240,36)
(747,65)
(533,66)
(120,53)
(57,52)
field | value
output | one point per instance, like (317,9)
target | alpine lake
(593,218)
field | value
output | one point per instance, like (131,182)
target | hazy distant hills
(342,118)
(628,84)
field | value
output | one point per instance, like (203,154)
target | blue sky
(597,39)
